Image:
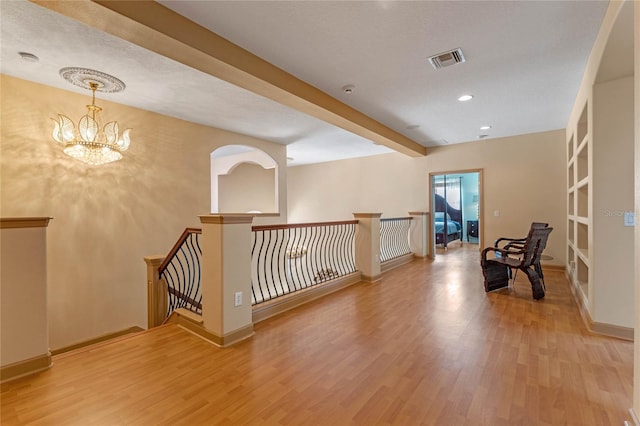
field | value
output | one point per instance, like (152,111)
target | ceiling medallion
(83,77)
(91,142)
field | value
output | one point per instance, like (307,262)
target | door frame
(432,238)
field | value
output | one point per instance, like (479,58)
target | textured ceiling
(525,60)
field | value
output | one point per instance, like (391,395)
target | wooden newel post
(419,234)
(157,303)
(368,246)
(226,277)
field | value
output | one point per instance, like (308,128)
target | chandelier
(91,142)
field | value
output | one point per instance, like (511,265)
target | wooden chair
(518,244)
(496,271)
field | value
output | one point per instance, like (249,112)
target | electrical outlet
(238,299)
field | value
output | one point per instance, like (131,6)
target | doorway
(456,206)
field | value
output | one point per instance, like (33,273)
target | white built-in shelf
(582,146)
(584,182)
(581,219)
(584,286)
(583,254)
(579,204)
(570,146)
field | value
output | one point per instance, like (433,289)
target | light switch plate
(629,219)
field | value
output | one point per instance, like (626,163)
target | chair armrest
(493,249)
(503,253)
(510,240)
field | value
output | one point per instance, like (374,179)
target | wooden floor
(424,346)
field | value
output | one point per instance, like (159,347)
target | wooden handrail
(177,246)
(385,219)
(301,225)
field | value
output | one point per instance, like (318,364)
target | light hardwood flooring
(424,346)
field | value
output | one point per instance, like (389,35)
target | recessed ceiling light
(413,126)
(485,127)
(482,136)
(465,98)
(28,56)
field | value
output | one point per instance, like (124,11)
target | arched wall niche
(244,179)
(617,59)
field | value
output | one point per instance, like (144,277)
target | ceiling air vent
(446,59)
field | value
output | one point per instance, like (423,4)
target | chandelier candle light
(91,143)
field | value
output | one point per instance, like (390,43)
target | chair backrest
(518,242)
(539,225)
(534,246)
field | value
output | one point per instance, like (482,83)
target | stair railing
(394,237)
(284,259)
(293,257)
(180,271)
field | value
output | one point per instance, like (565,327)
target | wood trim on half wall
(25,368)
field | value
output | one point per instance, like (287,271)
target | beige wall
(612,254)
(524,178)
(248,187)
(336,190)
(106,218)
